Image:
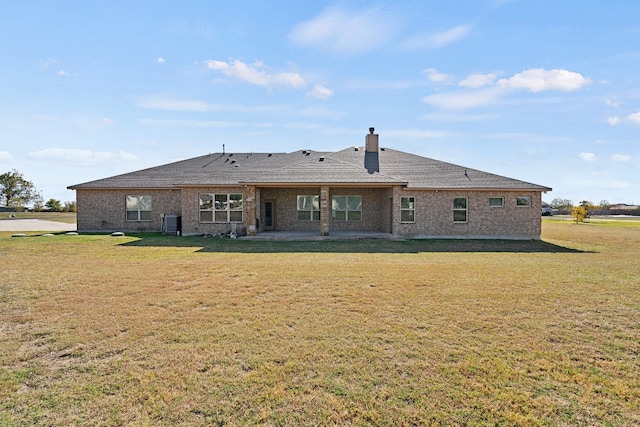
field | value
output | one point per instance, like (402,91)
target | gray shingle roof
(351,166)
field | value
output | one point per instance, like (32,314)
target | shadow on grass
(218,244)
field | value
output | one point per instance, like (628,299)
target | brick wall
(376,209)
(105,210)
(191,212)
(434,215)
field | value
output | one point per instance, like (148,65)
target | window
(407,209)
(220,207)
(459,209)
(138,208)
(523,201)
(308,208)
(496,202)
(346,208)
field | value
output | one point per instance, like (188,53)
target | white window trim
(311,210)
(346,210)
(139,210)
(496,206)
(408,209)
(466,209)
(213,209)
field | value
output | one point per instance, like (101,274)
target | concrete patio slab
(35,225)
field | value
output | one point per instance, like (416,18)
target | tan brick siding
(434,215)
(105,210)
(191,212)
(376,209)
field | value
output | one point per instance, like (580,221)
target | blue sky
(543,91)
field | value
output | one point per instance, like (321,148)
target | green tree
(69,207)
(604,205)
(588,207)
(561,204)
(15,190)
(579,213)
(53,205)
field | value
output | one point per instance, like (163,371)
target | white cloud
(48,62)
(436,40)
(457,117)
(366,84)
(192,123)
(321,92)
(478,80)
(621,157)
(587,157)
(255,74)
(170,104)
(612,103)
(160,60)
(5,157)
(344,32)
(418,133)
(63,73)
(463,100)
(613,120)
(321,111)
(82,157)
(635,117)
(538,80)
(436,77)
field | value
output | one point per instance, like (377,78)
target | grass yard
(161,330)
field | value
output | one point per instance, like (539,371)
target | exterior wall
(286,213)
(105,210)
(191,213)
(376,209)
(434,215)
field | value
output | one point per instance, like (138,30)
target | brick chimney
(371,159)
(371,142)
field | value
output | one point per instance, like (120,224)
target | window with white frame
(308,207)
(496,202)
(220,207)
(523,201)
(138,208)
(346,208)
(459,209)
(407,209)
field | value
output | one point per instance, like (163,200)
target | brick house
(368,188)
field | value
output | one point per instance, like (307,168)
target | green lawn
(161,330)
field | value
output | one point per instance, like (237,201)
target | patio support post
(324,210)
(249,197)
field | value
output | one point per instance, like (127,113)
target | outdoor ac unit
(172,224)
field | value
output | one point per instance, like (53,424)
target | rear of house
(368,188)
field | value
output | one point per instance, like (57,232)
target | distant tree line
(585,209)
(16,192)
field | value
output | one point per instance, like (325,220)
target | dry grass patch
(156,330)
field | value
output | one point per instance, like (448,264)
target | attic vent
(230,154)
(356,149)
(304,151)
(307,153)
(382,149)
(321,159)
(270,155)
(226,160)
(233,161)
